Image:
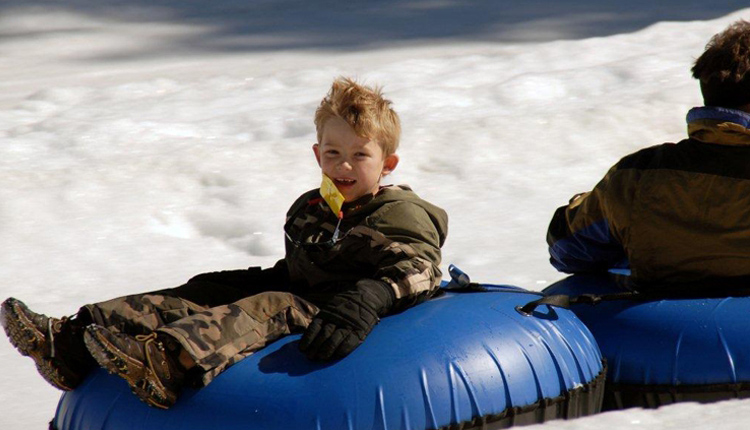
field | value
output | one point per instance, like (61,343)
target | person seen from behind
(677,215)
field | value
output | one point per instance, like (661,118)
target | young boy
(676,214)
(362,252)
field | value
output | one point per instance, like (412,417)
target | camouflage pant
(215,334)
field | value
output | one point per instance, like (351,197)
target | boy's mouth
(344,182)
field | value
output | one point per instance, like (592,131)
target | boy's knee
(270,303)
(274,300)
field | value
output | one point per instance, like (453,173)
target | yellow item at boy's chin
(332,195)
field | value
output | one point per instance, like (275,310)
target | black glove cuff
(378,295)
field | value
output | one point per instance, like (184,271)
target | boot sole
(117,363)
(20,329)
(26,339)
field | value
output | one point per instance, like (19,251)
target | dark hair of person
(724,67)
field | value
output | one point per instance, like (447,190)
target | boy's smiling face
(355,164)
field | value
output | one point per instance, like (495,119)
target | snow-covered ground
(147,141)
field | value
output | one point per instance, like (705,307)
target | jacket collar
(718,125)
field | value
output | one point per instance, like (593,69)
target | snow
(143,143)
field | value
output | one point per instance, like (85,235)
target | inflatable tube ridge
(579,368)
(503,375)
(730,358)
(581,401)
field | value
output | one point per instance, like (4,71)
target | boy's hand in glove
(344,322)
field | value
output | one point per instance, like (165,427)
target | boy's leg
(146,362)
(220,336)
(214,339)
(143,313)
(123,340)
(55,344)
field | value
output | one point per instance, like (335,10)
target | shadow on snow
(266,25)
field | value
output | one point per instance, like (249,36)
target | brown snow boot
(55,345)
(151,370)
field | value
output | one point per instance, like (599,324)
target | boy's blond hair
(364,109)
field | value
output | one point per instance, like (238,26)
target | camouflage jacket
(393,237)
(673,213)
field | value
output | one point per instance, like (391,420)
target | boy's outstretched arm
(405,247)
(252,280)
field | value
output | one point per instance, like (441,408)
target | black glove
(344,322)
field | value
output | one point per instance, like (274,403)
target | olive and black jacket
(393,237)
(672,213)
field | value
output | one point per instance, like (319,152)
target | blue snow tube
(661,351)
(462,360)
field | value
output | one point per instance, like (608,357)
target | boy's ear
(389,164)
(316,150)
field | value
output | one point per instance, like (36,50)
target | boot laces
(51,334)
(147,340)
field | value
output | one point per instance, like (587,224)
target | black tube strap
(564,301)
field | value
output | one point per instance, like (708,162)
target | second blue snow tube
(661,351)
(462,360)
